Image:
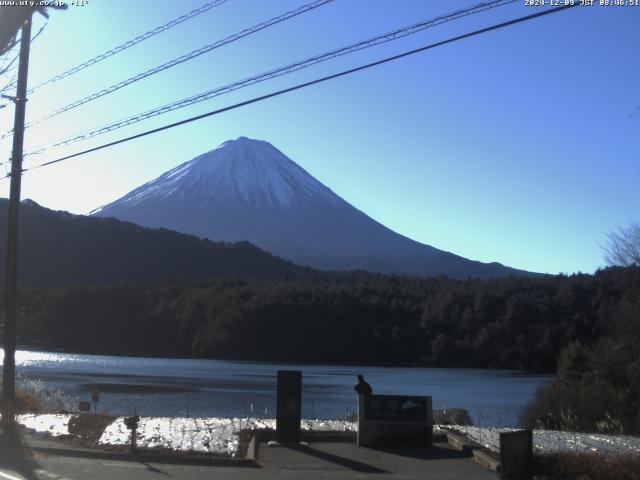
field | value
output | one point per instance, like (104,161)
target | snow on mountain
(248,190)
(249,171)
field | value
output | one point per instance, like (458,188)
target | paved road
(318,461)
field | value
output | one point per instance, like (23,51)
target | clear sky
(519,146)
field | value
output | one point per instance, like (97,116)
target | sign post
(132,424)
(95,397)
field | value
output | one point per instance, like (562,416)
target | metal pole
(11,284)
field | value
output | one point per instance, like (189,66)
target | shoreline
(45,350)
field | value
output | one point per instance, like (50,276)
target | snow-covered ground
(55,425)
(220,436)
(211,435)
(552,441)
(214,435)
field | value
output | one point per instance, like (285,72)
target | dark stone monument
(516,455)
(289,406)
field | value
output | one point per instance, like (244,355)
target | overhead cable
(130,43)
(177,61)
(306,84)
(390,36)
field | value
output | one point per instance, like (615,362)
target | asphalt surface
(318,460)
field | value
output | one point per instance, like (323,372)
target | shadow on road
(434,452)
(338,460)
(14,457)
(153,469)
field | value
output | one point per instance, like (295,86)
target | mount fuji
(248,190)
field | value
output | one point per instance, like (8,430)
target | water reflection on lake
(179,387)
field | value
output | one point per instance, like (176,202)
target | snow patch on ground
(327,426)
(213,435)
(219,436)
(56,425)
(545,441)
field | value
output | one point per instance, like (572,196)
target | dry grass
(586,466)
(27,402)
(32,396)
(87,429)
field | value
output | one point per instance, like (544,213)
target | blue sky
(517,146)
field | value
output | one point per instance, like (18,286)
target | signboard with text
(397,408)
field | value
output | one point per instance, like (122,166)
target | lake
(195,387)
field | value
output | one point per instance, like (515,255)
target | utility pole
(11,280)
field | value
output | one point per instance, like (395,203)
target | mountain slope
(248,190)
(58,248)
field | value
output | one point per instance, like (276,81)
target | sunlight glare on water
(220,388)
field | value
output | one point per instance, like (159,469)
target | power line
(177,61)
(130,43)
(6,68)
(380,39)
(307,84)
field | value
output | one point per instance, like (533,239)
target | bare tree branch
(12,18)
(8,65)
(623,246)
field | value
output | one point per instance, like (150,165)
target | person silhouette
(362,387)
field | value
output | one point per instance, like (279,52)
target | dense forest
(585,326)
(515,322)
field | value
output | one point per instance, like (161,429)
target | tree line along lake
(219,388)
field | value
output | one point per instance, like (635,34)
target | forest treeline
(597,386)
(58,248)
(515,322)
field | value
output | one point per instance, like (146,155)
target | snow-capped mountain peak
(245,170)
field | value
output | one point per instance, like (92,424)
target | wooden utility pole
(11,280)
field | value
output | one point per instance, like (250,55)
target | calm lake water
(188,387)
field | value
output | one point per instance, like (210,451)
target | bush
(591,466)
(597,388)
(27,402)
(452,416)
(33,397)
